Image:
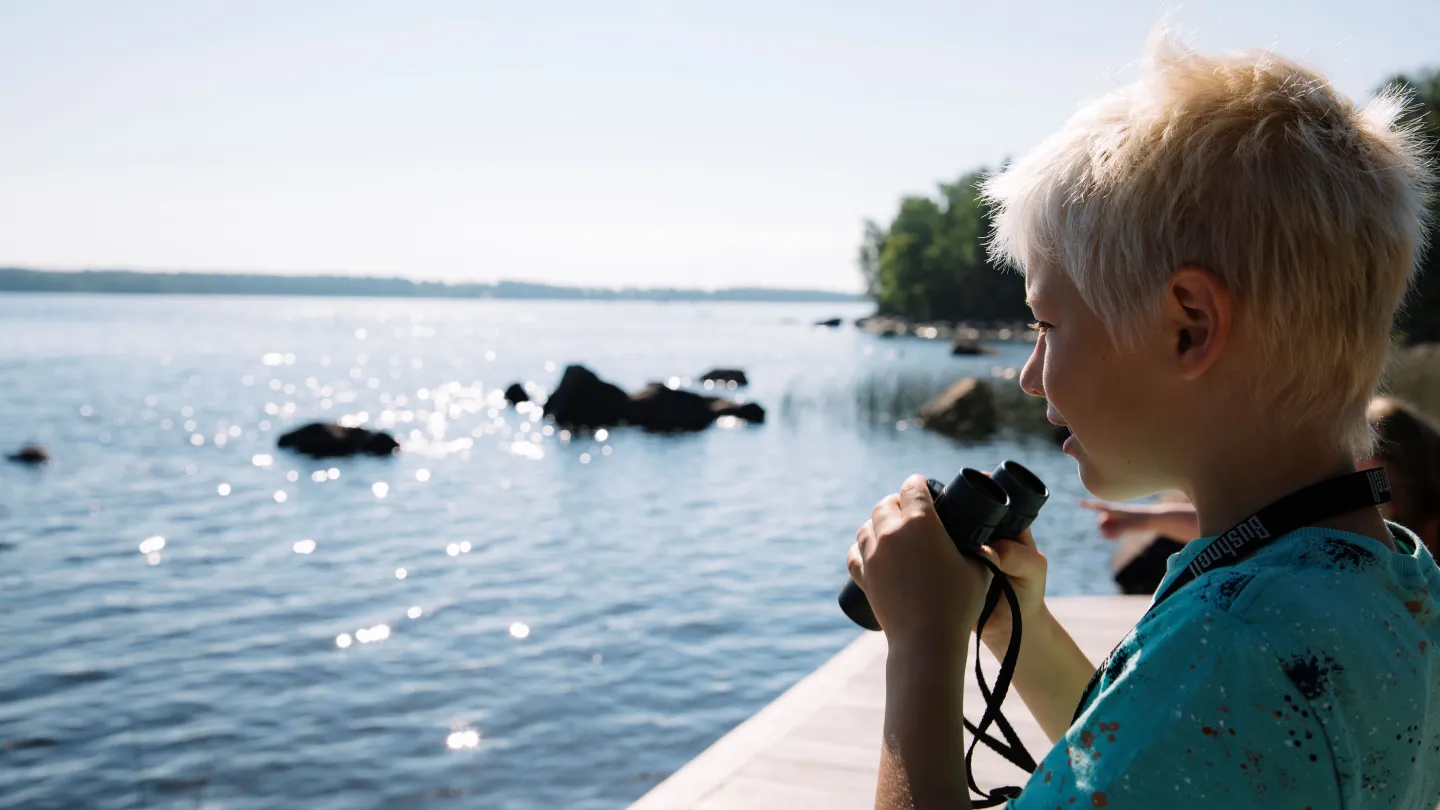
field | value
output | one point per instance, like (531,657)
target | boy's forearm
(922,755)
(1050,674)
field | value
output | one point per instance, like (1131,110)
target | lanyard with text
(1317,502)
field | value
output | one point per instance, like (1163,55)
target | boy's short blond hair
(1310,210)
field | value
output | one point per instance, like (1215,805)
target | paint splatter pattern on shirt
(1305,676)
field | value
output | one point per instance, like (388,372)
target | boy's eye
(1041,326)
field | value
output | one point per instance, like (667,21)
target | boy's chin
(1111,485)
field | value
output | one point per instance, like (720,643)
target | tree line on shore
(930,263)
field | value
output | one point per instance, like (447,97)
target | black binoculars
(973,508)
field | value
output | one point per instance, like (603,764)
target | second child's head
(1408,447)
(1214,255)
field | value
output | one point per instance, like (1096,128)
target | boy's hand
(1118,518)
(1026,567)
(921,589)
(1174,520)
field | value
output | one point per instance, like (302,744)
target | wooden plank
(818,744)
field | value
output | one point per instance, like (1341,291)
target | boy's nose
(1032,373)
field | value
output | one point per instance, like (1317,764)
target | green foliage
(931,263)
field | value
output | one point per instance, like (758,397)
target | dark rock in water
(327,440)
(29,454)
(883,326)
(666,410)
(966,410)
(725,375)
(830,322)
(749,411)
(27,743)
(584,400)
(515,394)
(966,346)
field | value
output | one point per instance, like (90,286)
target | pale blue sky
(606,143)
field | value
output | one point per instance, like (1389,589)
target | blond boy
(1214,256)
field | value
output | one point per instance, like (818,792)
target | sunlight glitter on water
(550,530)
(370,635)
(457,740)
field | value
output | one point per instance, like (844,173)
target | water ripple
(596,625)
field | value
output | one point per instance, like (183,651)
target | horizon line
(351,275)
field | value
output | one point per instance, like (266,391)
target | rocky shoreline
(889,326)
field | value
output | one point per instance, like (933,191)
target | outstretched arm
(1174,520)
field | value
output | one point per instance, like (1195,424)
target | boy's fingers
(887,505)
(1012,557)
(856,564)
(989,553)
(915,495)
(1025,539)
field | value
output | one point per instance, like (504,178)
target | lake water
(495,618)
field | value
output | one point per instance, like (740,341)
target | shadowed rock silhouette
(327,440)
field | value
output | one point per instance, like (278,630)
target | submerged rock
(515,394)
(666,410)
(328,440)
(584,400)
(965,410)
(965,346)
(29,454)
(725,375)
(747,411)
(829,322)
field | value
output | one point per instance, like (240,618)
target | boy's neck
(1229,487)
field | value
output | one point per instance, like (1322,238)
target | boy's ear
(1197,318)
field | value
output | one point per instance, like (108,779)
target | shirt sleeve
(1199,715)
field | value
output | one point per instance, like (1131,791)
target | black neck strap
(1317,502)
(1304,507)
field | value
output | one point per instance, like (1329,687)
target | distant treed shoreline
(131,282)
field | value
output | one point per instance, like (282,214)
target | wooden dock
(818,744)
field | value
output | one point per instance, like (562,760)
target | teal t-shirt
(1306,676)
